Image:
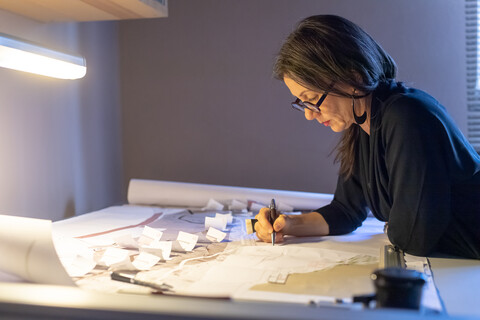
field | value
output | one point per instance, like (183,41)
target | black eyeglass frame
(301,106)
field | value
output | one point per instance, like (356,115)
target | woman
(401,155)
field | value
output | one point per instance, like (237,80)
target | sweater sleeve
(416,142)
(348,208)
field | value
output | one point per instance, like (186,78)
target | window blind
(472,16)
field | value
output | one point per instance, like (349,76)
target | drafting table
(456,279)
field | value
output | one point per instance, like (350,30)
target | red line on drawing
(143,223)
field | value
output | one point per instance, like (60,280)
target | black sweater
(417,171)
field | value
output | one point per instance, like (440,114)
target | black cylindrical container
(398,288)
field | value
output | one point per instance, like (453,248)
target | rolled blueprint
(27,250)
(167,193)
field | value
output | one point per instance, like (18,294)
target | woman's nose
(309,114)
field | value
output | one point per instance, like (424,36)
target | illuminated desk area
(456,280)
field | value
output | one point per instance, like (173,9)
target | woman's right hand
(264,229)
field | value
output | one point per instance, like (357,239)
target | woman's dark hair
(326,49)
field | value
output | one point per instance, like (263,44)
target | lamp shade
(27,56)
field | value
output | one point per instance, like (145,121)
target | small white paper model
(161,249)
(237,206)
(149,235)
(218,222)
(278,277)
(226,215)
(127,241)
(185,242)
(215,235)
(213,205)
(113,256)
(145,261)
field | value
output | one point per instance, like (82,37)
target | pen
(159,287)
(272,218)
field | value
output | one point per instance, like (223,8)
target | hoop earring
(358,119)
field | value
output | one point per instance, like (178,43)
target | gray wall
(60,151)
(198,100)
(199,103)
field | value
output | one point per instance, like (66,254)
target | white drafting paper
(149,235)
(247,266)
(213,204)
(78,266)
(27,250)
(161,249)
(215,235)
(77,258)
(218,222)
(107,219)
(167,193)
(100,228)
(269,296)
(228,216)
(185,242)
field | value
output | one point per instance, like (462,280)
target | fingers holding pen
(263,218)
(264,228)
(280,223)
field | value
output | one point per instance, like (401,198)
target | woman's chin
(336,128)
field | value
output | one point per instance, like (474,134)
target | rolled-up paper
(168,193)
(27,250)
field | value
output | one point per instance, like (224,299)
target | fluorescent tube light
(26,56)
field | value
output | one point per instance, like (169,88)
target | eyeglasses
(301,105)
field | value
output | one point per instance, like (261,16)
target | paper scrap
(218,222)
(113,256)
(256,206)
(161,249)
(229,217)
(237,206)
(278,277)
(185,242)
(213,205)
(145,261)
(127,241)
(149,235)
(215,235)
